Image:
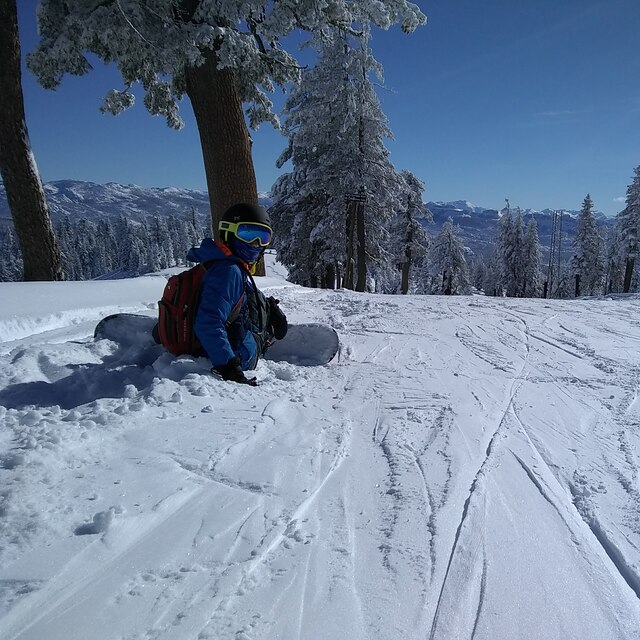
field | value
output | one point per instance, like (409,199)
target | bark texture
(226,145)
(224,137)
(25,193)
(628,274)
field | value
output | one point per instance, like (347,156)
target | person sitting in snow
(234,321)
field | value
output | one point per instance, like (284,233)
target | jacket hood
(209,249)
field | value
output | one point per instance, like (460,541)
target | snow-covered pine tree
(66,241)
(158,243)
(447,262)
(85,249)
(614,263)
(11,263)
(185,233)
(531,260)
(411,236)
(492,280)
(294,220)
(220,54)
(516,258)
(511,251)
(132,254)
(563,285)
(180,237)
(629,224)
(587,262)
(478,270)
(504,250)
(342,179)
(106,248)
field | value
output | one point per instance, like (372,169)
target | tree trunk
(628,274)
(406,265)
(25,193)
(577,290)
(350,232)
(361,283)
(224,137)
(226,145)
(330,276)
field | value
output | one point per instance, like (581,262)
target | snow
(468,468)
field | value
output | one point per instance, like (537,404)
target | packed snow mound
(468,468)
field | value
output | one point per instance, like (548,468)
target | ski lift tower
(356,242)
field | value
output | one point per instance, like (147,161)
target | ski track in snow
(467,468)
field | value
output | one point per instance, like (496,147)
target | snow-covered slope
(468,468)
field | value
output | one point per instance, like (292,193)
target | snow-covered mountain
(98,201)
(94,201)
(478,226)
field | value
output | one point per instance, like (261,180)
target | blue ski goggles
(248,232)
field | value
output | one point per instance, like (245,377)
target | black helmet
(242,213)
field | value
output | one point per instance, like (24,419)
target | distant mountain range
(93,201)
(478,226)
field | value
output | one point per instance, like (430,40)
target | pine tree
(513,257)
(11,268)
(564,283)
(106,248)
(414,240)
(159,248)
(448,265)
(587,260)
(65,235)
(504,250)
(342,184)
(492,279)
(478,271)
(629,223)
(179,238)
(615,263)
(531,261)
(512,253)
(85,245)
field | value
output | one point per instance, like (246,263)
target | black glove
(232,371)
(277,319)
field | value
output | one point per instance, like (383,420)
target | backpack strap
(237,307)
(235,312)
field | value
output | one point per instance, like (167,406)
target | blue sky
(534,100)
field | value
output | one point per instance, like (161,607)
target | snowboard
(308,345)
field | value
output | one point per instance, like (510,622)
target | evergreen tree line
(118,248)
(601,263)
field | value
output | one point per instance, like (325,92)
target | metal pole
(551,253)
(560,241)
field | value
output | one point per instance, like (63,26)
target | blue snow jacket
(231,317)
